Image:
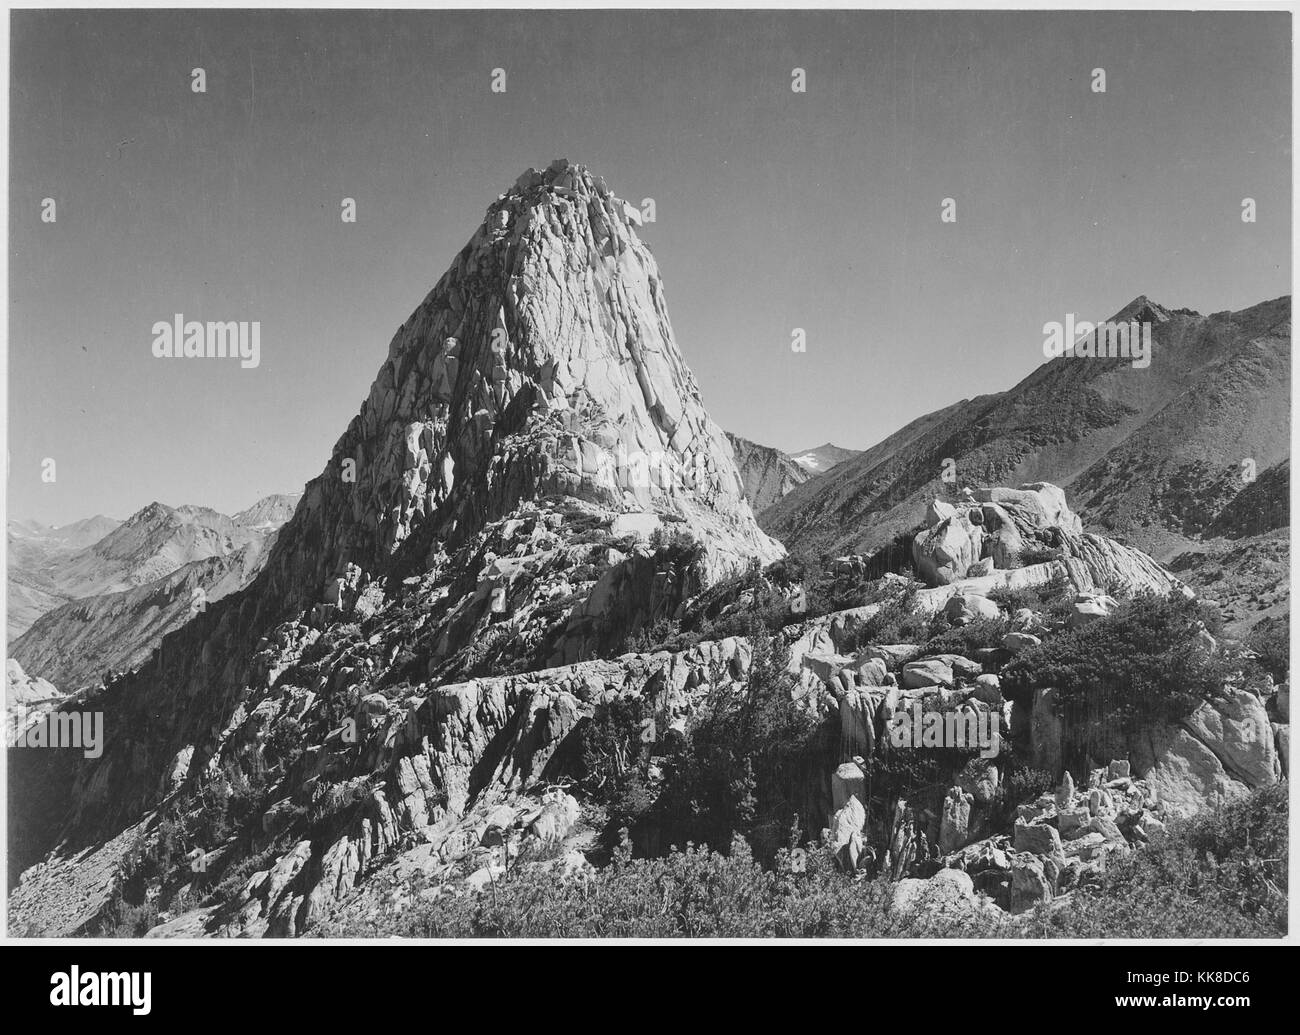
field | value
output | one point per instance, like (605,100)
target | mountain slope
(767,473)
(26,698)
(34,553)
(532,478)
(137,583)
(269,513)
(52,567)
(74,644)
(1149,454)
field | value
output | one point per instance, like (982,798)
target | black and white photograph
(648,475)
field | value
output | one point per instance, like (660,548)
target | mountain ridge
(1056,424)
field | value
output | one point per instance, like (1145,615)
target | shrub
(967,639)
(1271,640)
(1055,595)
(898,621)
(1221,874)
(692,893)
(1036,553)
(745,765)
(661,634)
(1139,666)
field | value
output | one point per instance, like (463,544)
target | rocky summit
(532,479)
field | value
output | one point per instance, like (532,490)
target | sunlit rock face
(542,362)
(531,479)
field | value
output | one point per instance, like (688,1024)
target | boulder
(824,667)
(964,608)
(1033,506)
(1149,826)
(980,855)
(1029,884)
(1003,541)
(846,833)
(960,665)
(929,672)
(937,512)
(557,819)
(943,553)
(988,688)
(949,896)
(870,671)
(1096,564)
(848,781)
(1037,838)
(1073,822)
(640,526)
(1088,607)
(1016,642)
(1065,792)
(980,780)
(894,655)
(858,709)
(1236,728)
(1184,775)
(1107,828)
(954,826)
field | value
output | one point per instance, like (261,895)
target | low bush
(1271,640)
(1222,874)
(1142,665)
(692,893)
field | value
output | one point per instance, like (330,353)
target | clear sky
(775,209)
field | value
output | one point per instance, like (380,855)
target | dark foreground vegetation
(1220,875)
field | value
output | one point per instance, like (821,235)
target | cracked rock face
(542,362)
(532,477)
(991,527)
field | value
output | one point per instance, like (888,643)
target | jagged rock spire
(542,362)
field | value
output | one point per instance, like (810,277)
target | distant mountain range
(768,474)
(1151,456)
(99,594)
(35,555)
(821,459)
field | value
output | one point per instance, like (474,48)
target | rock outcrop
(532,478)
(26,699)
(989,530)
